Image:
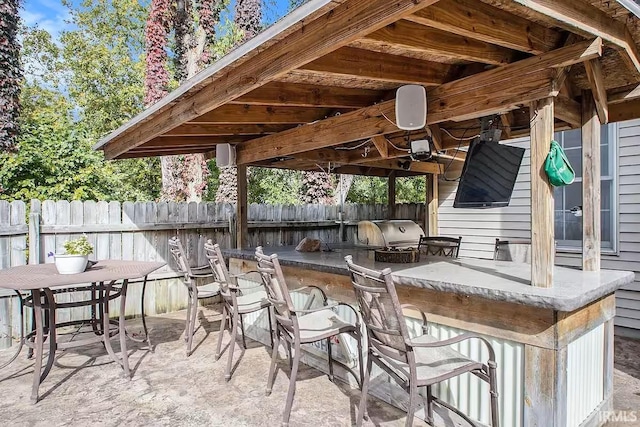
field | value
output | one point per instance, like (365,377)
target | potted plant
(75,257)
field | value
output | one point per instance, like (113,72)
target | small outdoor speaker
(225,155)
(411,107)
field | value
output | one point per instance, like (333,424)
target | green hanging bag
(557,167)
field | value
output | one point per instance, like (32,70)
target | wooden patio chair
(517,250)
(236,302)
(412,362)
(301,326)
(440,246)
(196,293)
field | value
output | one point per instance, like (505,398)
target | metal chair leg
(188,320)
(292,386)
(272,367)
(429,409)
(232,344)
(223,323)
(413,400)
(330,359)
(192,322)
(362,408)
(244,342)
(493,389)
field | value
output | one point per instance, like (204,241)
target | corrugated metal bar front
(585,370)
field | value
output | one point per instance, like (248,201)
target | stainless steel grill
(399,233)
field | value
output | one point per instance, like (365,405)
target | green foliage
(79,246)
(54,159)
(373,190)
(274,186)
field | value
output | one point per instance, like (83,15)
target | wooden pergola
(324,79)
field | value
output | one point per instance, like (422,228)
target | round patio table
(44,283)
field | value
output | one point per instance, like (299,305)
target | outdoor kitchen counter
(554,346)
(492,280)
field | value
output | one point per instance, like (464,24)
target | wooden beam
(471,97)
(432,205)
(627,93)
(381,145)
(436,136)
(170,142)
(242,213)
(542,214)
(391,196)
(371,171)
(568,110)
(365,64)
(590,183)
(251,114)
(621,111)
(199,129)
(411,36)
(589,19)
(479,21)
(307,95)
(596,81)
(408,165)
(506,119)
(343,24)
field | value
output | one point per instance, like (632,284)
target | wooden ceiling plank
(596,81)
(479,21)
(365,64)
(198,129)
(413,36)
(306,95)
(250,114)
(592,20)
(506,119)
(436,136)
(347,22)
(467,98)
(381,145)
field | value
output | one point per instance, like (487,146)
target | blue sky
(51,15)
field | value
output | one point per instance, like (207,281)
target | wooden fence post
(34,232)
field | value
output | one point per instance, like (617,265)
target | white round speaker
(411,107)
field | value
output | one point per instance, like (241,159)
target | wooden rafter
(589,21)
(199,129)
(305,95)
(348,21)
(568,110)
(474,96)
(240,114)
(478,21)
(361,63)
(412,36)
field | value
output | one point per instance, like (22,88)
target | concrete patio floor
(167,388)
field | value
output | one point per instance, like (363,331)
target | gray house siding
(479,228)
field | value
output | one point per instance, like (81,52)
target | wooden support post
(545,373)
(432,206)
(242,229)
(391,196)
(542,215)
(590,183)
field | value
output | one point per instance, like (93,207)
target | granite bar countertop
(494,280)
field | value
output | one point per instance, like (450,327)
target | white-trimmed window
(568,200)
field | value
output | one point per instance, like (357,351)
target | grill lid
(399,233)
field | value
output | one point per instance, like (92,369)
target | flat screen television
(489,174)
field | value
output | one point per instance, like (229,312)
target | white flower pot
(71,264)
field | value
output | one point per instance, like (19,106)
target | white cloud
(49,15)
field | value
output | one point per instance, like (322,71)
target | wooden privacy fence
(141,230)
